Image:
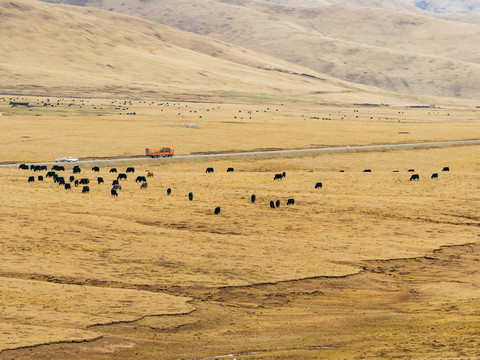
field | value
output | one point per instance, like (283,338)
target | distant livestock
(130,170)
(68,186)
(50,174)
(31,179)
(150,174)
(140,178)
(85,189)
(122,177)
(434,176)
(230,169)
(72,178)
(113,170)
(144,185)
(40,178)
(84,181)
(253,198)
(272,204)
(24,167)
(169,191)
(76,183)
(367,170)
(190,196)
(278,177)
(277,203)
(209,170)
(96,169)
(217,210)
(414,177)
(114,192)
(291,202)
(411,170)
(117,187)
(318,185)
(76,169)
(446,168)
(100,180)
(114,182)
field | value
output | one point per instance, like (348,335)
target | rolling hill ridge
(401,51)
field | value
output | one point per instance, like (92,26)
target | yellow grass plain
(334,280)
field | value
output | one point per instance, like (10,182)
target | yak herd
(56,170)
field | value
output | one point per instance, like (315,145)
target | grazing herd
(116,186)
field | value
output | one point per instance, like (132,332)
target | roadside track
(267,153)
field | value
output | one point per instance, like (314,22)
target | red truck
(161,152)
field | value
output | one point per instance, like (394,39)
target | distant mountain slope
(55,49)
(448,6)
(398,51)
(436,6)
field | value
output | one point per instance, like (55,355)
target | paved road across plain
(340,149)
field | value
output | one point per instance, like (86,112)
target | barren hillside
(405,52)
(66,50)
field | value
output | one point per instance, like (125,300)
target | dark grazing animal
(84,181)
(85,189)
(230,169)
(140,178)
(61,180)
(31,179)
(411,170)
(37,168)
(122,177)
(414,177)
(318,185)
(291,202)
(76,183)
(190,196)
(114,192)
(96,169)
(130,170)
(44,167)
(115,182)
(113,170)
(277,203)
(278,177)
(76,169)
(284,174)
(23,167)
(117,187)
(209,170)
(272,204)
(72,178)
(446,168)
(217,210)
(434,176)
(253,198)
(100,180)
(40,178)
(169,191)
(367,170)
(68,186)
(50,174)
(150,174)
(33,167)
(144,185)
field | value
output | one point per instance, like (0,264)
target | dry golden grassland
(95,128)
(112,260)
